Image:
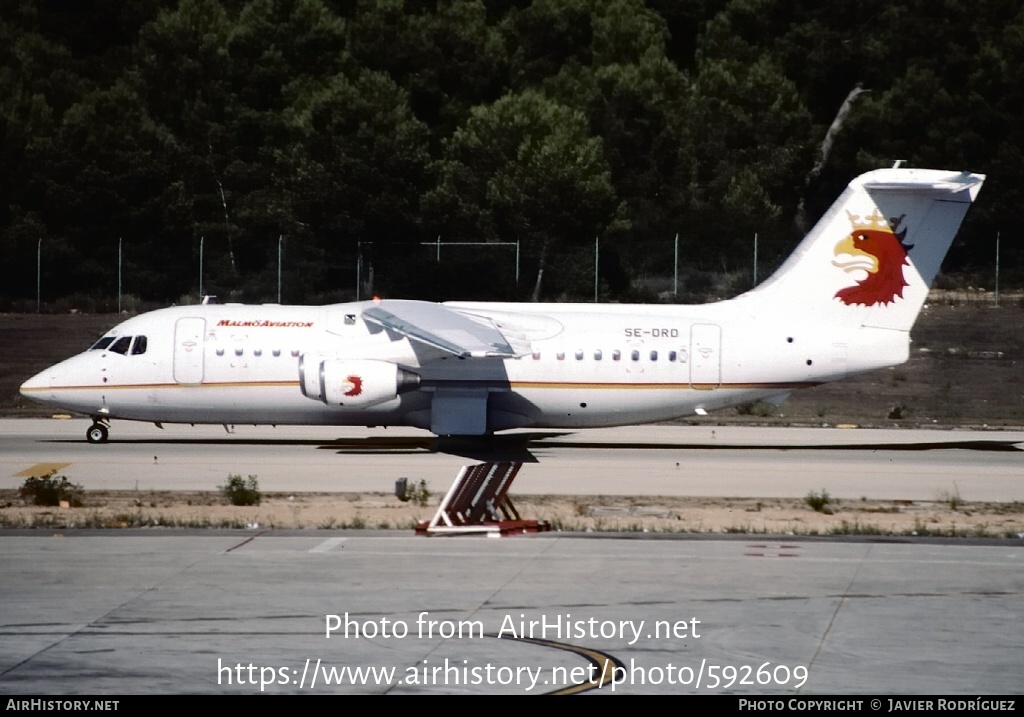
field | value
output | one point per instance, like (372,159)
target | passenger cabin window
(672,356)
(579,354)
(121,345)
(635,356)
(616,355)
(139,346)
(654,355)
(598,354)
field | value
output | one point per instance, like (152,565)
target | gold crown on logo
(873,221)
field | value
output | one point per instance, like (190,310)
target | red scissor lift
(478,502)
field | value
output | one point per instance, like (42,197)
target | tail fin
(872,257)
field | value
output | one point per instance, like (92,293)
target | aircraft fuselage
(589,366)
(844,302)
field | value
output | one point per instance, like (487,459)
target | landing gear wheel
(97,433)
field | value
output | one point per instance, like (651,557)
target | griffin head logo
(875,246)
(354,385)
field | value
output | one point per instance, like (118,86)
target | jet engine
(353,383)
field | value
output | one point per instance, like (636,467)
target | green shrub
(953,498)
(819,502)
(241,491)
(51,490)
(898,412)
(756,408)
(418,494)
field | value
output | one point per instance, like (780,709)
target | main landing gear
(98,432)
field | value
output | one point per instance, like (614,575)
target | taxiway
(735,461)
(243,612)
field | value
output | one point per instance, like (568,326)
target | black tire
(97,433)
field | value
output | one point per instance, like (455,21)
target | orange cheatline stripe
(220,384)
(513,384)
(643,386)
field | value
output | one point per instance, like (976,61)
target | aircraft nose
(61,386)
(39,383)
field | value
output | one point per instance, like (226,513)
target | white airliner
(844,302)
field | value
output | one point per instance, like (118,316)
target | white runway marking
(328,545)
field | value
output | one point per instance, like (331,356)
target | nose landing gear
(98,432)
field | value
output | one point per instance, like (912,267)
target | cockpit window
(102,343)
(139,347)
(121,345)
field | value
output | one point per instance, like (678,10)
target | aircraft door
(188,350)
(705,356)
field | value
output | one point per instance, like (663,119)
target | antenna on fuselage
(209,299)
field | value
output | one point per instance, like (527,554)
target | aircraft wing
(445,329)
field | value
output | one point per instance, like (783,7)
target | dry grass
(125,509)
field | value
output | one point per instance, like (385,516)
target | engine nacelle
(354,383)
(309,375)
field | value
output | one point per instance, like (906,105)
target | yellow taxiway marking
(41,469)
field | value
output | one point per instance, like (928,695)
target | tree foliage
(349,132)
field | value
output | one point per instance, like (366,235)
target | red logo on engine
(356,383)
